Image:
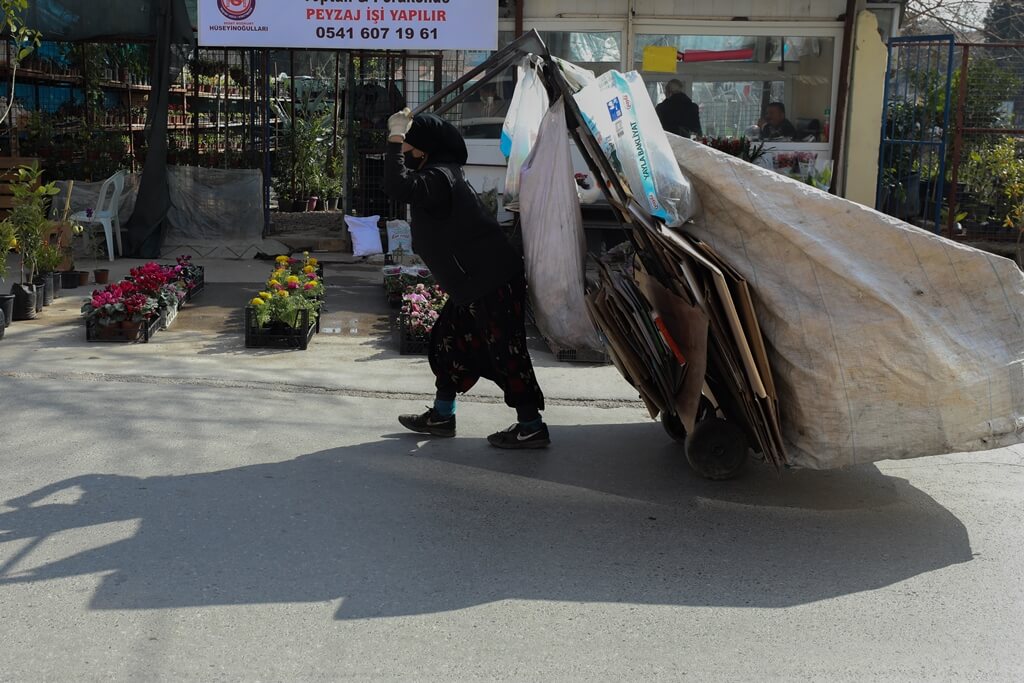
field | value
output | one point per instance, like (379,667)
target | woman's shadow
(387,534)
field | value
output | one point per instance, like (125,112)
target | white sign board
(350,24)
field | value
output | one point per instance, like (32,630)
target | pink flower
(293,285)
(310,285)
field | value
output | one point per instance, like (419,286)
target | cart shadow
(610,514)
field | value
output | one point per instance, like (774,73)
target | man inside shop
(775,125)
(678,113)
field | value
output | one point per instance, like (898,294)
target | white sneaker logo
(431,423)
(527,437)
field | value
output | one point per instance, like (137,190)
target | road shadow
(394,527)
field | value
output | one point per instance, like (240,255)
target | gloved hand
(400,123)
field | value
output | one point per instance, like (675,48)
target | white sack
(365,233)
(553,240)
(886,341)
(529,103)
(619,112)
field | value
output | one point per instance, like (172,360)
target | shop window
(734,79)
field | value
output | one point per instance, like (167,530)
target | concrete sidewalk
(205,346)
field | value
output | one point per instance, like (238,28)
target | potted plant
(28,220)
(421,308)
(7,243)
(118,312)
(49,259)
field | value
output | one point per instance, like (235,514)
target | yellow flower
(292,279)
(13,244)
(272,283)
(258,302)
(306,254)
(312,261)
(309,269)
(282,259)
(283,294)
(266,295)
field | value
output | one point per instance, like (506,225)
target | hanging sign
(350,24)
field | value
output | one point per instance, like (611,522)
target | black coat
(455,235)
(680,115)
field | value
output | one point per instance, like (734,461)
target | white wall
(816,10)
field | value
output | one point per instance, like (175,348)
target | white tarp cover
(886,341)
(214,213)
(553,240)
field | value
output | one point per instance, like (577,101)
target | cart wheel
(717,449)
(674,427)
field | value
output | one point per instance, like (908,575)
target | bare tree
(966,19)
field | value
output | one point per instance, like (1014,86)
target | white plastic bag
(553,240)
(365,235)
(529,103)
(619,112)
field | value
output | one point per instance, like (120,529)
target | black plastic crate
(94,332)
(278,338)
(410,344)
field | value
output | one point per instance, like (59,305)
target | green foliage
(7,239)
(24,40)
(989,86)
(28,217)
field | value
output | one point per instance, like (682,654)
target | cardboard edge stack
(685,327)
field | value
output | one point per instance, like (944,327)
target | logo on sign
(236,10)
(615,109)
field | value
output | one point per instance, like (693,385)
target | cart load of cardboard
(835,335)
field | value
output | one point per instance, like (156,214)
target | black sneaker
(429,423)
(514,438)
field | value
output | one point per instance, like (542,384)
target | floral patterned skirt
(487,339)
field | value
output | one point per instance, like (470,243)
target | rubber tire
(717,449)
(674,427)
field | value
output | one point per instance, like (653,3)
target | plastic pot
(83,278)
(24,302)
(40,291)
(57,284)
(7,306)
(3,323)
(45,282)
(311,203)
(332,204)
(69,279)
(102,276)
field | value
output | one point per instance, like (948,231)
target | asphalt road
(157,532)
(186,510)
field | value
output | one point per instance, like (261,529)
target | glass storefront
(735,79)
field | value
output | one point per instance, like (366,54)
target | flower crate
(124,332)
(200,284)
(282,337)
(411,343)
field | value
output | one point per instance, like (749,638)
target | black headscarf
(438,138)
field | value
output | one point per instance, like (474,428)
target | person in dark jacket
(678,113)
(775,125)
(481,332)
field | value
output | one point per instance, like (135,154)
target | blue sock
(531,426)
(444,408)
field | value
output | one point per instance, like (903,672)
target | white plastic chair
(105,213)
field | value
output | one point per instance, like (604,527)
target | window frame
(771,29)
